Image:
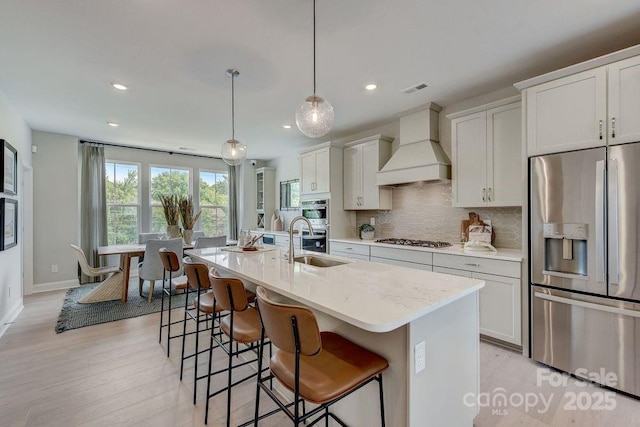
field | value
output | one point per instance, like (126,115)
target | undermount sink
(318,261)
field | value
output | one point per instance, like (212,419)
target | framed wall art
(9,222)
(9,168)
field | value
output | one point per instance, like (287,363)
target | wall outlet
(54,268)
(372,220)
(420,357)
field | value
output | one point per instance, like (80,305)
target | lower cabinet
(282,241)
(403,257)
(500,301)
(350,250)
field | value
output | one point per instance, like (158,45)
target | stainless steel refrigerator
(585,263)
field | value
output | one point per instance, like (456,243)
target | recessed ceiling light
(120,86)
(286,126)
(113,124)
(371,86)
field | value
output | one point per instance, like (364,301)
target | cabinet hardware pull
(600,124)
(349,249)
(489,194)
(484,194)
(613,127)
(472,264)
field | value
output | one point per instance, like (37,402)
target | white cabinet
(403,257)
(350,250)
(265,196)
(487,156)
(624,104)
(282,241)
(315,171)
(362,161)
(588,109)
(500,305)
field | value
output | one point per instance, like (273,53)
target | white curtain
(93,204)
(233,202)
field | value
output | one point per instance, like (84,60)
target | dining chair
(152,268)
(210,242)
(144,237)
(92,271)
(197,234)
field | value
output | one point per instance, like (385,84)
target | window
(214,202)
(164,181)
(290,195)
(123,202)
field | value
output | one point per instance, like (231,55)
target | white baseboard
(55,286)
(10,317)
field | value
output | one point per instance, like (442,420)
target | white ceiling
(58,58)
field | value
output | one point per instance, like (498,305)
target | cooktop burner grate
(412,242)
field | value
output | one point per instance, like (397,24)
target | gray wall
(14,129)
(56,218)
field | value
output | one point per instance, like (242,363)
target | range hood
(419,156)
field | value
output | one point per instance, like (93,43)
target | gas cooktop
(411,242)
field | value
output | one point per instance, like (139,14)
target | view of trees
(122,200)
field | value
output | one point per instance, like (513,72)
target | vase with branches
(188,218)
(171,208)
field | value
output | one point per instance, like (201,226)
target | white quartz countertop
(372,296)
(456,249)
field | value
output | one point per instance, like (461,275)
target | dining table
(126,252)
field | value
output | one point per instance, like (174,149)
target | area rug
(75,315)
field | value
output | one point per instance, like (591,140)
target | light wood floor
(116,374)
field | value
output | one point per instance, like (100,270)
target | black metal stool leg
(381,400)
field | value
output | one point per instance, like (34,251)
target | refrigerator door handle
(614,256)
(600,214)
(589,305)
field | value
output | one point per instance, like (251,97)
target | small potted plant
(366,231)
(188,219)
(170,206)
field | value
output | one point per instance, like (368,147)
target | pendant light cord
(233,109)
(314,47)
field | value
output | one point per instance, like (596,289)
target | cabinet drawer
(350,255)
(283,241)
(478,265)
(351,248)
(452,271)
(426,267)
(407,255)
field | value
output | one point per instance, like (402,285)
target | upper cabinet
(486,146)
(265,196)
(362,161)
(314,171)
(591,108)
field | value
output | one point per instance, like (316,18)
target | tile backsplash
(423,211)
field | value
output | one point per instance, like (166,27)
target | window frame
(165,166)
(198,202)
(138,206)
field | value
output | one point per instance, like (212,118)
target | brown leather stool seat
(205,308)
(172,265)
(241,326)
(338,368)
(318,367)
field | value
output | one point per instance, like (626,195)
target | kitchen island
(390,310)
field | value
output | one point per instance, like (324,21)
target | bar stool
(318,367)
(241,326)
(172,265)
(251,296)
(205,308)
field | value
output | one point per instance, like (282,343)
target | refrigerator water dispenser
(565,249)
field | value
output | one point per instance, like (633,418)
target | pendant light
(314,115)
(233,151)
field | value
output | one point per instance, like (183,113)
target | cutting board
(474,218)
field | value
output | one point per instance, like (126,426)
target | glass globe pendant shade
(234,152)
(314,116)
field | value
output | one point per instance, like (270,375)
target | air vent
(415,88)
